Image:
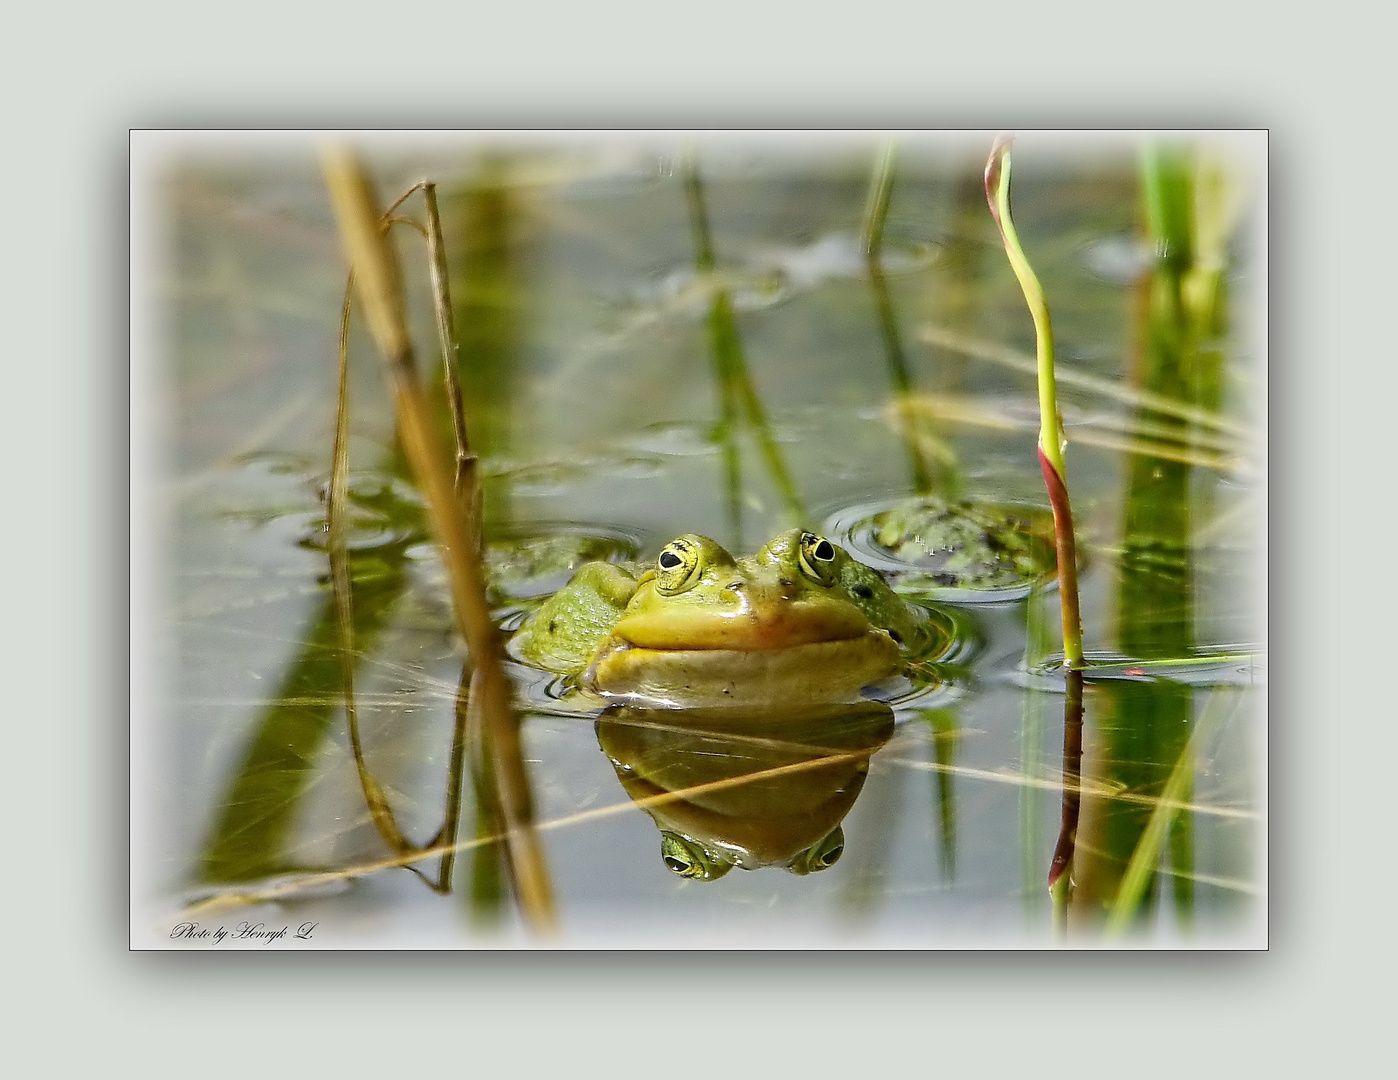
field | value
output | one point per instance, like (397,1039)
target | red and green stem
(1051,439)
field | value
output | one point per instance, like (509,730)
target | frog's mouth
(833,669)
(775,626)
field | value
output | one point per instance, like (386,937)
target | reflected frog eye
(830,850)
(821,856)
(678,567)
(817,558)
(690,860)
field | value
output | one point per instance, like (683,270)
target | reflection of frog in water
(965,545)
(749,788)
(798,622)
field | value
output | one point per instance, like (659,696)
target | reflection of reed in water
(253,827)
(1141,730)
(938,473)
(739,402)
(489,297)
(738,787)
(932,464)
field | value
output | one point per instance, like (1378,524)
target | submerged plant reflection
(1146,736)
(739,402)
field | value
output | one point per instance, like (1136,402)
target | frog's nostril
(734,586)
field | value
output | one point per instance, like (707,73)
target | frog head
(692,858)
(704,628)
(689,858)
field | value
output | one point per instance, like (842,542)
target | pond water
(656,340)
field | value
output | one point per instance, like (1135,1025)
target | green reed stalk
(736,388)
(1051,438)
(876,206)
(917,431)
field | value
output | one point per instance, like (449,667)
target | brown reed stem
(379,288)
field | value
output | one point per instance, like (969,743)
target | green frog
(964,545)
(798,622)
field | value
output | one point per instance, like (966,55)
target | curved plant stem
(467,474)
(377,800)
(379,288)
(1051,440)
(380,810)
(336,512)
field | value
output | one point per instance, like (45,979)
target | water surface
(612,414)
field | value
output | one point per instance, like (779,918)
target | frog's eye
(822,856)
(817,558)
(690,860)
(830,850)
(677,568)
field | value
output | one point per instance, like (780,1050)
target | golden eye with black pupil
(820,856)
(817,558)
(690,860)
(830,850)
(683,865)
(677,568)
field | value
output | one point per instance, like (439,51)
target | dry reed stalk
(378,285)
